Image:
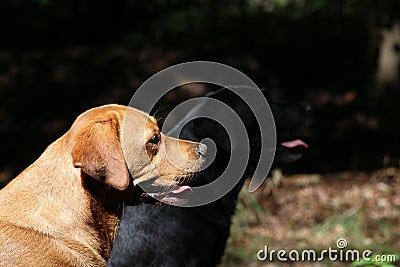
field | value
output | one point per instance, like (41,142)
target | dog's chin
(175,195)
(291,150)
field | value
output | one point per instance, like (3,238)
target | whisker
(157,114)
(119,205)
(105,191)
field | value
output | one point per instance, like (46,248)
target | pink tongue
(294,143)
(180,189)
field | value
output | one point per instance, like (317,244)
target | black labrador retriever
(174,236)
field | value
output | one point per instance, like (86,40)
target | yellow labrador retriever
(64,209)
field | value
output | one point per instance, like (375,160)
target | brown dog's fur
(64,209)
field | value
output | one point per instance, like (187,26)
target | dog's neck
(106,206)
(64,201)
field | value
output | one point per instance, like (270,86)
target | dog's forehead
(151,126)
(141,120)
(152,120)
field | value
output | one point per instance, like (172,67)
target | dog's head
(118,145)
(289,119)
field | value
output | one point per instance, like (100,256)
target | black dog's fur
(173,236)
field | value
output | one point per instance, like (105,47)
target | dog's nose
(201,149)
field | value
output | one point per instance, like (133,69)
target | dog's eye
(155,139)
(152,145)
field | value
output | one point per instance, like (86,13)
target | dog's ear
(96,149)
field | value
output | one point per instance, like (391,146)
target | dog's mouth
(176,195)
(290,150)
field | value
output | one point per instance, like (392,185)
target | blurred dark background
(60,58)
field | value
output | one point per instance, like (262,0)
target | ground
(313,211)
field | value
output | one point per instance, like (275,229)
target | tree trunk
(387,70)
